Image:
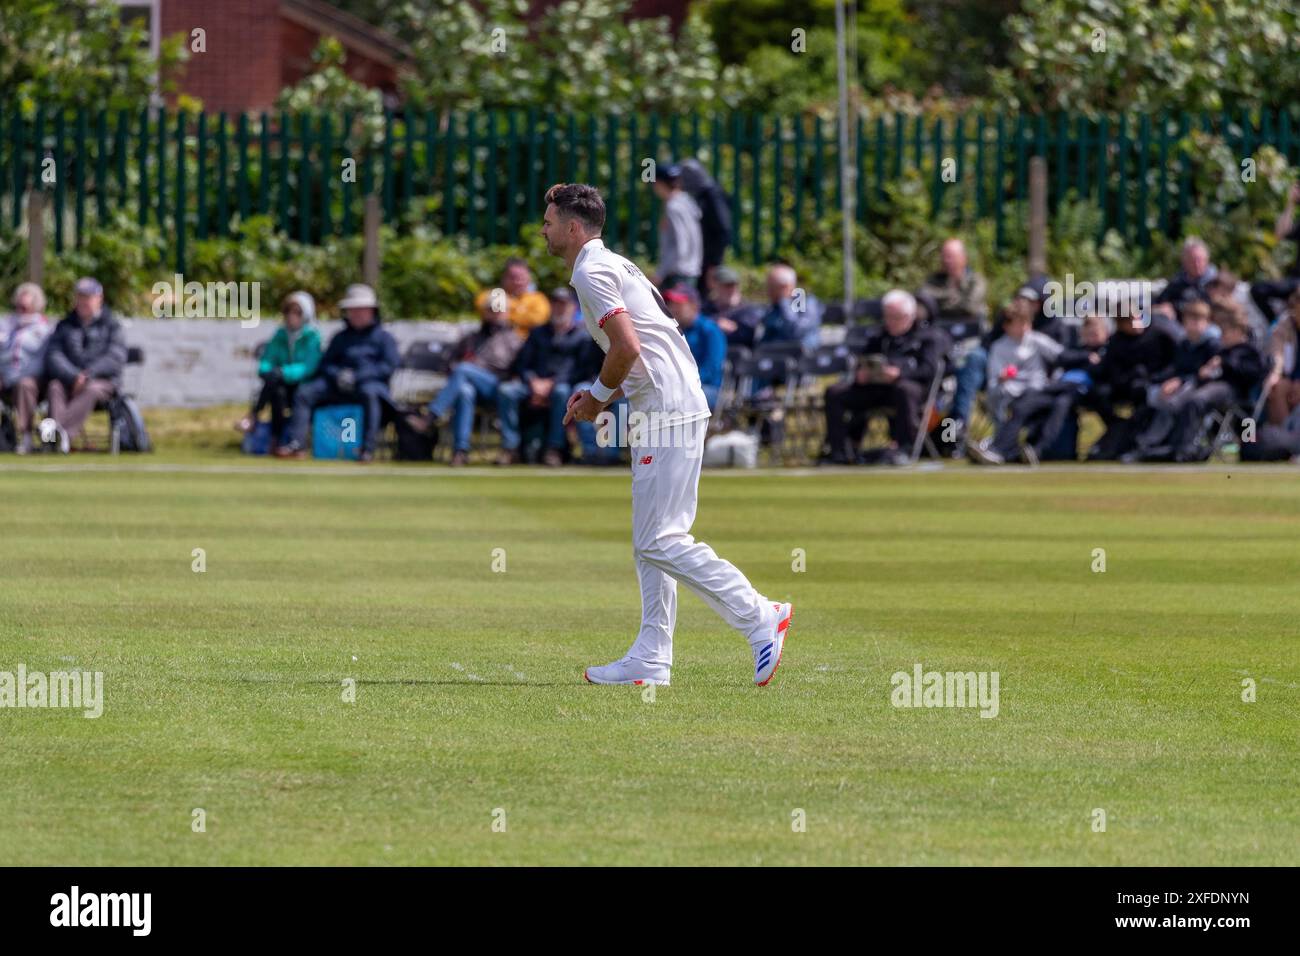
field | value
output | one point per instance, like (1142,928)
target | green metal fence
(482,174)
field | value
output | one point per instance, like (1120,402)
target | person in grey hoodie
(681,232)
(23,337)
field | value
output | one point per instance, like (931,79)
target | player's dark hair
(579,201)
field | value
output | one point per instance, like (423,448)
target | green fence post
(282,192)
(634,192)
(818,204)
(223,208)
(611,195)
(1121,193)
(59,155)
(918,141)
(1081,150)
(327,174)
(79,177)
(737,132)
(898,145)
(201,178)
(571,147)
(777,159)
(1103,172)
(408,159)
(959,161)
(241,182)
(389,202)
(756,169)
(880,158)
(101,167)
(999,187)
(19,183)
(859,179)
(533,198)
(142,166)
(179,219)
(1164,173)
(936,181)
(449,177)
(264,165)
(552,155)
(981,197)
(1021,177)
(512,176)
(1061,174)
(593,149)
(304,179)
(119,157)
(715,148)
(1144,149)
(492,198)
(161,186)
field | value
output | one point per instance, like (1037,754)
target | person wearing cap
(24,335)
(484,359)
(355,368)
(548,366)
(83,363)
(737,318)
(707,343)
(526,308)
(290,358)
(681,234)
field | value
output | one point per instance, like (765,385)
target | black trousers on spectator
(1192,409)
(1266,290)
(903,397)
(278,395)
(1044,410)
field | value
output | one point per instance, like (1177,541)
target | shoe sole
(617,683)
(784,626)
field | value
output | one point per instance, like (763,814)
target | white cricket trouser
(665,491)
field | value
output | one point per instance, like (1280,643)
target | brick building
(255,48)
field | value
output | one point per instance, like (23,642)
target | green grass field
(224,689)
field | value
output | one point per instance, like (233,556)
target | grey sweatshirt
(681,237)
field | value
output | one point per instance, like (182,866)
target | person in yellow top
(526,309)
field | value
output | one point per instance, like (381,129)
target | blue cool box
(336,431)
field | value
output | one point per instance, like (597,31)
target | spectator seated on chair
(356,368)
(1193,279)
(737,318)
(484,359)
(1284,360)
(1166,398)
(1225,380)
(707,343)
(1139,354)
(547,365)
(961,299)
(792,314)
(291,358)
(896,370)
(1021,392)
(525,307)
(83,364)
(24,335)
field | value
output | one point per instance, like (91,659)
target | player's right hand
(573,400)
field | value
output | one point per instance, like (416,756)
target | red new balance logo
(647,459)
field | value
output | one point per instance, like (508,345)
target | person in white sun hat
(647,358)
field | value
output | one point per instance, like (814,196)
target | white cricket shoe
(768,650)
(52,433)
(628,671)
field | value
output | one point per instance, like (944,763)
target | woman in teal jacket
(289,360)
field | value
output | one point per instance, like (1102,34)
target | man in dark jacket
(355,368)
(1229,377)
(83,363)
(1138,356)
(896,370)
(548,365)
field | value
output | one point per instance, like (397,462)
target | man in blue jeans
(486,357)
(548,365)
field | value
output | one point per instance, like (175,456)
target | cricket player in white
(647,359)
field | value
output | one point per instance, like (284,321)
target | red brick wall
(241,67)
(296,45)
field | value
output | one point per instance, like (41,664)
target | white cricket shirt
(664,378)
